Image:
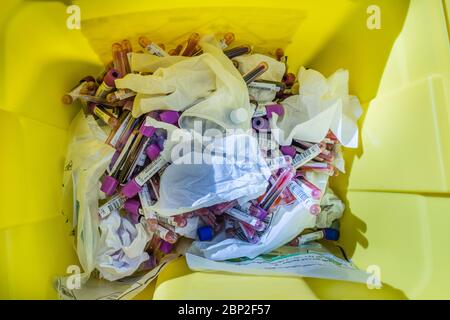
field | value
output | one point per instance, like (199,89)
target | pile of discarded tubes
(131,182)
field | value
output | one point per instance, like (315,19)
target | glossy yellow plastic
(397,185)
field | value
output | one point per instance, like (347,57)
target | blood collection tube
(273,193)
(115,203)
(176,51)
(230,230)
(227,39)
(304,198)
(177,221)
(250,220)
(267,85)
(289,79)
(108,84)
(152,47)
(237,51)
(86,86)
(191,44)
(279,54)
(126,46)
(133,186)
(111,181)
(255,72)
(166,234)
(120,59)
(327,234)
(247,233)
(309,187)
(137,151)
(103,115)
(119,95)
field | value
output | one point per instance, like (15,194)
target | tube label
(301,159)
(156,50)
(299,194)
(149,171)
(103,115)
(113,204)
(310,237)
(103,90)
(162,232)
(146,200)
(241,216)
(264,86)
(124,94)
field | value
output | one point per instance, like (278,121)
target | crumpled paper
(121,247)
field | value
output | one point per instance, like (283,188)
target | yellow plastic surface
(397,187)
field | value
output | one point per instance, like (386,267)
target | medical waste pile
(211,150)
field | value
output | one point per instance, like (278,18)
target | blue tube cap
(331,234)
(205,233)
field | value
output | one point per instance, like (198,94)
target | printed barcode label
(298,192)
(263,86)
(301,159)
(156,50)
(113,204)
(150,170)
(146,200)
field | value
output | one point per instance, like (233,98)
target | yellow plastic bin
(397,184)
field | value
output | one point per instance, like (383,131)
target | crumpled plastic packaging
(307,261)
(86,160)
(286,223)
(121,247)
(332,209)
(322,105)
(227,174)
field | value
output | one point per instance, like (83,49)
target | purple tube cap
(288,151)
(169,116)
(132,206)
(258,212)
(153,151)
(166,247)
(131,189)
(109,185)
(260,123)
(276,108)
(147,131)
(111,76)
